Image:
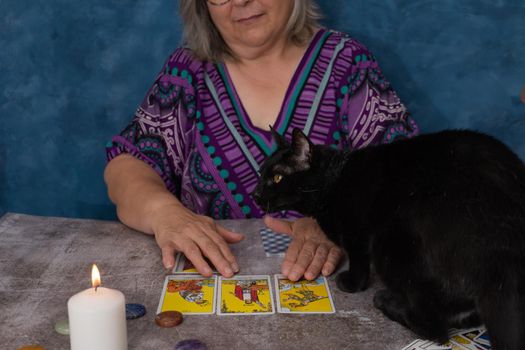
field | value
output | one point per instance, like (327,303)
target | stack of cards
(183,265)
(275,244)
(467,339)
(190,293)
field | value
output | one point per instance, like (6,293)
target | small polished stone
(31,347)
(62,327)
(135,311)
(168,319)
(190,344)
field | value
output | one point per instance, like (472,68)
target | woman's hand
(197,236)
(310,251)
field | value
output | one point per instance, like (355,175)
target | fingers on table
(317,263)
(213,246)
(168,256)
(290,258)
(224,248)
(305,258)
(193,253)
(334,257)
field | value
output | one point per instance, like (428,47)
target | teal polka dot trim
(198,114)
(339,102)
(361,58)
(238,197)
(217,161)
(344,90)
(232,186)
(184,74)
(224,173)
(336,135)
(211,150)
(246,209)
(200,126)
(205,139)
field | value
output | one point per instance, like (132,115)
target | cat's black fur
(440,216)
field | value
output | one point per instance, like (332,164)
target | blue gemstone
(190,344)
(135,311)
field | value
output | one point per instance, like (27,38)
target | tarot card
(184,265)
(483,338)
(425,345)
(414,345)
(275,244)
(465,339)
(245,295)
(188,294)
(303,296)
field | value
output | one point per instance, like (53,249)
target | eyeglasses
(218,3)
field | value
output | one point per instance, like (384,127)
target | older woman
(192,152)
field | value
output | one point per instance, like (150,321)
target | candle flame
(95,276)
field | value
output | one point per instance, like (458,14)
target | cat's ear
(279,139)
(302,147)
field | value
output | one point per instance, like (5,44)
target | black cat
(441,217)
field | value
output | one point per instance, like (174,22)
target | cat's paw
(385,299)
(351,282)
(396,308)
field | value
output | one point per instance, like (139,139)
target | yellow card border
(188,276)
(278,298)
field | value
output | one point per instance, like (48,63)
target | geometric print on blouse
(204,182)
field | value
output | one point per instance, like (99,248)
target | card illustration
(303,296)
(245,295)
(188,294)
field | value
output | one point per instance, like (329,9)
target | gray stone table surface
(46,260)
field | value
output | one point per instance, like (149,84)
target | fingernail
(294,276)
(228,271)
(285,271)
(235,267)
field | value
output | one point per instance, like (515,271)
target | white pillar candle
(97,318)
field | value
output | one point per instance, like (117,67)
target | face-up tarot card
(425,345)
(303,296)
(245,295)
(482,338)
(468,339)
(188,294)
(184,265)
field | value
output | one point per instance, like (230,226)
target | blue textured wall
(72,73)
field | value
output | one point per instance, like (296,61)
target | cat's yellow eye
(277,178)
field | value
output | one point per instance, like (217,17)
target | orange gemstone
(168,319)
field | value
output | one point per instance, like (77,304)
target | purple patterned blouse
(193,130)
